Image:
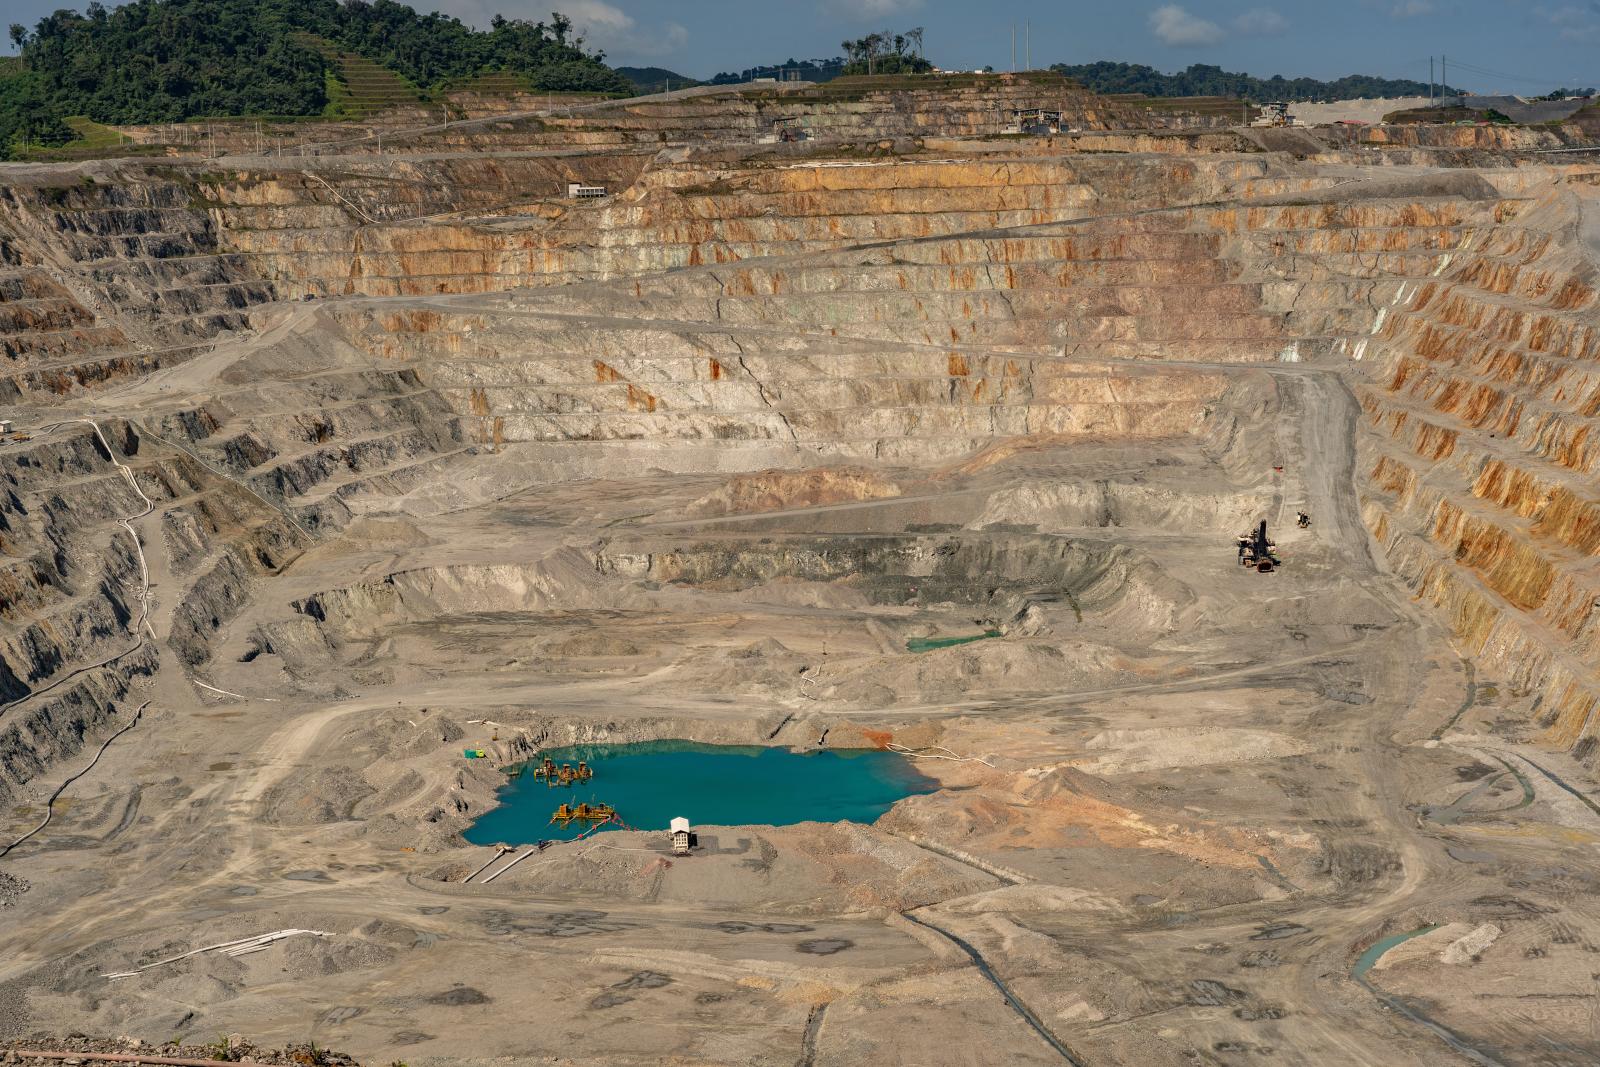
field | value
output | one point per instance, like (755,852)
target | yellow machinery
(566,774)
(583,812)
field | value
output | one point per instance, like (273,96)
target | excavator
(1255,550)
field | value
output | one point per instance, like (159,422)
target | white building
(682,837)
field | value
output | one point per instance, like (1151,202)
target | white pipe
(904,751)
(230,948)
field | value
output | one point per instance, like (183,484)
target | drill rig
(1255,550)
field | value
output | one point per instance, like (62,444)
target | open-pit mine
(341,484)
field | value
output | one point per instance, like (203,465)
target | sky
(1492,46)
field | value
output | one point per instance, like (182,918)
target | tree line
(1203,80)
(152,61)
(884,52)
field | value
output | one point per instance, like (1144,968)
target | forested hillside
(1203,80)
(169,60)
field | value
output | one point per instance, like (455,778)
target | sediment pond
(651,783)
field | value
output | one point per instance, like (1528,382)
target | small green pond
(928,644)
(649,784)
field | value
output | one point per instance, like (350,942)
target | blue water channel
(650,784)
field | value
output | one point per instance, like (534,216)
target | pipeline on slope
(142,625)
(1005,991)
(50,805)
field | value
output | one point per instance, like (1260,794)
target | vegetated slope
(170,60)
(1202,79)
(359,88)
(654,79)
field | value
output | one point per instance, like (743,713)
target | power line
(1488,72)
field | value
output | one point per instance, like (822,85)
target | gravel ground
(11,887)
(234,1049)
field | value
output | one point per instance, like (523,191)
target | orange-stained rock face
(1480,475)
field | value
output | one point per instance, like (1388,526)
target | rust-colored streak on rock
(639,400)
(1512,569)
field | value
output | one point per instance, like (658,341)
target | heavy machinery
(1255,550)
(566,774)
(584,812)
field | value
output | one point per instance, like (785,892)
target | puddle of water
(1444,1033)
(1373,954)
(718,785)
(928,644)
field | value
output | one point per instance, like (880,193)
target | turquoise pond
(710,785)
(1375,953)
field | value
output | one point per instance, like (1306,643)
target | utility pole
(1027,46)
(1444,78)
(1013,48)
(1430,81)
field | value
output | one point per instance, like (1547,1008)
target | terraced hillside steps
(711,211)
(1479,473)
(724,312)
(924,347)
(96,272)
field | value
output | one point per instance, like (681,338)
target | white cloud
(1173,25)
(613,30)
(597,15)
(1574,23)
(1260,22)
(866,10)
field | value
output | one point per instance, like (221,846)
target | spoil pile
(231,1049)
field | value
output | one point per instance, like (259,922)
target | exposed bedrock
(734,312)
(1478,477)
(988,572)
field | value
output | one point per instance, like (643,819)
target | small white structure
(5,425)
(580,191)
(682,837)
(1033,121)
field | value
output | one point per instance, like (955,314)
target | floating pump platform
(566,774)
(585,812)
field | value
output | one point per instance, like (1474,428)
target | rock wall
(101,263)
(716,207)
(1479,472)
(70,582)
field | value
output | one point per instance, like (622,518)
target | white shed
(682,836)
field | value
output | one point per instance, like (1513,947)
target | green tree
(151,61)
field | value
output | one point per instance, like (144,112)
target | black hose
(1011,998)
(49,806)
